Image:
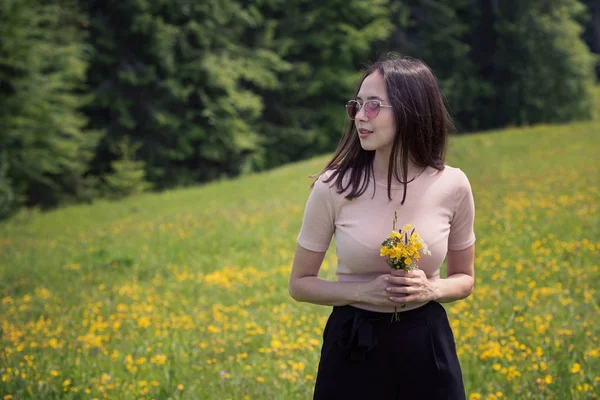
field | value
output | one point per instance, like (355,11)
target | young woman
(390,159)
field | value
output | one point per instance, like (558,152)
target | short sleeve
(462,234)
(318,224)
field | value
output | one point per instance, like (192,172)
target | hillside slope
(184,293)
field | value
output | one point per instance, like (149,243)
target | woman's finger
(411,298)
(401,289)
(397,299)
(399,272)
(398,280)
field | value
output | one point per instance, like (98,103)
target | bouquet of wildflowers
(401,249)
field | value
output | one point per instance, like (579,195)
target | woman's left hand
(417,288)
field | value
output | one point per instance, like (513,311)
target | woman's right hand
(375,291)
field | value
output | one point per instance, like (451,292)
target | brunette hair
(422,127)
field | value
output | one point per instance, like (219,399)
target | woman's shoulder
(330,177)
(457,179)
(451,180)
(324,183)
(335,183)
(453,174)
(327,174)
(324,179)
(452,170)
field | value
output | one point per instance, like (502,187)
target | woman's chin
(367,146)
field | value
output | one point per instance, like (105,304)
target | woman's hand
(375,291)
(410,286)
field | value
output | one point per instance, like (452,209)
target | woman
(390,159)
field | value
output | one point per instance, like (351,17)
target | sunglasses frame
(360,106)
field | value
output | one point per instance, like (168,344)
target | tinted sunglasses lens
(352,108)
(371,109)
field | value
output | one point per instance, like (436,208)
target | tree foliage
(108,97)
(42,68)
(178,78)
(324,44)
(543,71)
(591,23)
(129,175)
(442,33)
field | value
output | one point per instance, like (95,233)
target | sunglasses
(371,108)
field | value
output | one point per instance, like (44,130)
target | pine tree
(591,34)
(325,45)
(178,78)
(441,34)
(542,70)
(502,63)
(42,67)
(129,176)
(7,197)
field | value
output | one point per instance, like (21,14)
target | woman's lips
(363,133)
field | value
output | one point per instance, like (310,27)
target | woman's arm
(306,286)
(461,276)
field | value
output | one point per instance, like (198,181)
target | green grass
(184,294)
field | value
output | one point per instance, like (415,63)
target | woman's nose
(361,115)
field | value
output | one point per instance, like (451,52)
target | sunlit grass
(184,294)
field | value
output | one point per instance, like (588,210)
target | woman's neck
(380,167)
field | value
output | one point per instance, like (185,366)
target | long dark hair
(422,127)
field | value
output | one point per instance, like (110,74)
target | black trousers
(367,356)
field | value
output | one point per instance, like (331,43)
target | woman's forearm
(454,287)
(312,289)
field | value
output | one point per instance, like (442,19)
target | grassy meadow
(183,294)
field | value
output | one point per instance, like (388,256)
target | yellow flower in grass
(158,359)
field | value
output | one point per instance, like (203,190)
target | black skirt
(367,356)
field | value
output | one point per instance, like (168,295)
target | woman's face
(377,133)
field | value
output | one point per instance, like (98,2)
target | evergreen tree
(6,191)
(178,77)
(129,175)
(591,34)
(499,63)
(42,67)
(440,33)
(542,70)
(326,44)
